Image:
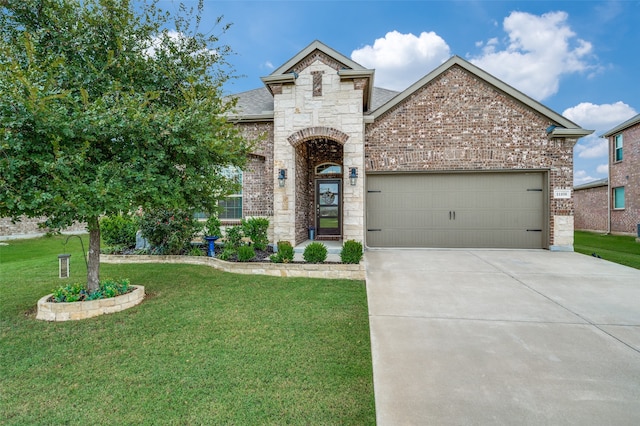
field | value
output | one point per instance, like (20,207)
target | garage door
(496,210)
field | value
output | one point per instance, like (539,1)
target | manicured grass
(616,248)
(205,347)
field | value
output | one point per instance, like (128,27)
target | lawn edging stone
(70,311)
(304,270)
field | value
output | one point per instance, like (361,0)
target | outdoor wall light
(282,176)
(353,175)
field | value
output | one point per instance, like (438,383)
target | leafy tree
(104,110)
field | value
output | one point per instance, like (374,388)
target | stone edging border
(305,270)
(51,311)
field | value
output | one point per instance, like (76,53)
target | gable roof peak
(564,127)
(313,46)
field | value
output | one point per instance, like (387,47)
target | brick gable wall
(458,122)
(627,173)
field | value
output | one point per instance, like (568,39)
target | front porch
(333,250)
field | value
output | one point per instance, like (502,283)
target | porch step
(333,247)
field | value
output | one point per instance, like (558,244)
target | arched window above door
(328,169)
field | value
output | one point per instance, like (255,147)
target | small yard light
(282,176)
(63,265)
(353,175)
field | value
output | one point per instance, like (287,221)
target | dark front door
(328,206)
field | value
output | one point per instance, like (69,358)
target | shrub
(351,252)
(212,227)
(233,238)
(227,253)
(285,253)
(119,230)
(256,229)
(195,251)
(169,231)
(246,253)
(315,253)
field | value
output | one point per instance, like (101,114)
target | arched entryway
(319,177)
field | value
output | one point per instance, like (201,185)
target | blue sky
(580,58)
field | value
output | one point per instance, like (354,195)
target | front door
(328,206)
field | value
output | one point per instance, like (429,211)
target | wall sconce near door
(282,176)
(353,175)
(63,265)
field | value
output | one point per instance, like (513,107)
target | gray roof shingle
(260,101)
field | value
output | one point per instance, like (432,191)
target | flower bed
(309,270)
(54,311)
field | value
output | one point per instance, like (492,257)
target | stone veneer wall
(458,122)
(339,111)
(626,173)
(591,208)
(29,227)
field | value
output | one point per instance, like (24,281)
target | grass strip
(615,248)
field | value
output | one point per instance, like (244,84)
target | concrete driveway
(464,337)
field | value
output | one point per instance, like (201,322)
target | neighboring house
(459,159)
(29,227)
(624,176)
(591,207)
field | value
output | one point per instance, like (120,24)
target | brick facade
(257,183)
(591,208)
(626,173)
(321,107)
(459,122)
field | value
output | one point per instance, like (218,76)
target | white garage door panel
(500,210)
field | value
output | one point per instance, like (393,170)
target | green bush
(256,229)
(233,239)
(78,292)
(195,251)
(169,231)
(285,253)
(227,254)
(246,253)
(351,252)
(212,227)
(315,253)
(119,230)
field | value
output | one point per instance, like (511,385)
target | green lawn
(205,347)
(616,248)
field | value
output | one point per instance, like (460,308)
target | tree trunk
(93,267)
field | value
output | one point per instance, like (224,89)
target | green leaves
(102,109)
(108,111)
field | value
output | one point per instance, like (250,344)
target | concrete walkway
(503,337)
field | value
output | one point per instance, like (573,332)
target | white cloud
(540,50)
(581,176)
(402,59)
(174,38)
(269,65)
(592,147)
(603,169)
(601,117)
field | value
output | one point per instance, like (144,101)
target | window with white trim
(231,206)
(617,156)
